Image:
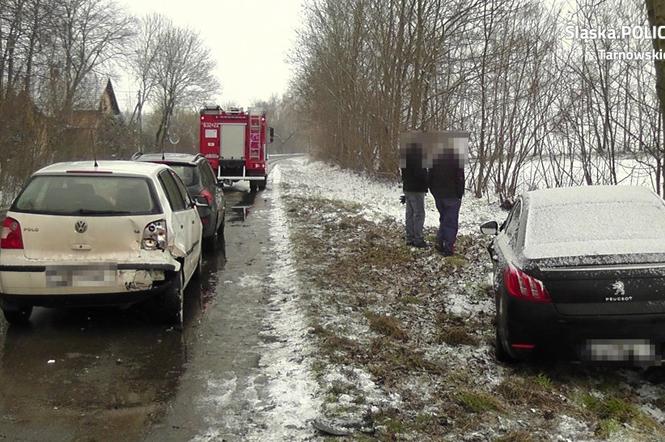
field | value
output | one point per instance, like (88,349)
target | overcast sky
(250,41)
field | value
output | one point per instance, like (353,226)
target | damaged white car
(107,233)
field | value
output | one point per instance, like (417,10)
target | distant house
(83,124)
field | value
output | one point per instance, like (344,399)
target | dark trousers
(415,216)
(448,222)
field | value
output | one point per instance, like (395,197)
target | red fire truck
(234,142)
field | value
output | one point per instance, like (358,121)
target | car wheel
(262,184)
(18,317)
(500,351)
(220,229)
(171,302)
(253,186)
(210,242)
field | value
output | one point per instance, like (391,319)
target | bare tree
(141,62)
(88,33)
(183,74)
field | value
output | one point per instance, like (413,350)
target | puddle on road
(88,373)
(113,371)
(52,375)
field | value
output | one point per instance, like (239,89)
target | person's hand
(402,199)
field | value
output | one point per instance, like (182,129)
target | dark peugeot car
(197,175)
(580,273)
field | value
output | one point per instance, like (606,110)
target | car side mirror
(490,228)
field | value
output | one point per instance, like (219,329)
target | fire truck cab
(235,144)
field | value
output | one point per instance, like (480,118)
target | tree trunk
(656,13)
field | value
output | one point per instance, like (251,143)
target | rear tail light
(205,193)
(11,234)
(155,236)
(522,286)
(523,346)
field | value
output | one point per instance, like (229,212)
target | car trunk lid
(85,238)
(588,286)
(89,216)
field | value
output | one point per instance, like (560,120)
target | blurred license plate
(81,276)
(621,350)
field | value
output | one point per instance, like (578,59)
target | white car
(107,233)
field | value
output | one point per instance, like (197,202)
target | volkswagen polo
(107,233)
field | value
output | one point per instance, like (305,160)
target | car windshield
(590,228)
(188,174)
(87,195)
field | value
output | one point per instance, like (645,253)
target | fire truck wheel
(262,183)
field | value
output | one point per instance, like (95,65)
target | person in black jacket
(414,185)
(446,182)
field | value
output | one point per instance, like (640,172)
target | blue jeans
(448,222)
(415,216)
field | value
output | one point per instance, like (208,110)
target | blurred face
(434,146)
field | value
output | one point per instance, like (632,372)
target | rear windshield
(188,174)
(87,195)
(601,227)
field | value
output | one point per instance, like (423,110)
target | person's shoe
(420,244)
(442,251)
(409,243)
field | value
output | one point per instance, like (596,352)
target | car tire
(500,352)
(171,302)
(262,184)
(253,186)
(18,317)
(220,229)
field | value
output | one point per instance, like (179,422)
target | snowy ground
(378,200)
(396,343)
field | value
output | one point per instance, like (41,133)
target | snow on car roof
(125,167)
(594,221)
(562,196)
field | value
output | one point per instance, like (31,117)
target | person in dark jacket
(414,185)
(446,183)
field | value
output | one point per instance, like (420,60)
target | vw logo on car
(81,226)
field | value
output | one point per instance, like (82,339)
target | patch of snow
(461,304)
(655,412)
(290,385)
(378,200)
(219,403)
(569,429)
(362,382)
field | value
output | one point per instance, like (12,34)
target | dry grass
(478,401)
(363,277)
(387,326)
(456,335)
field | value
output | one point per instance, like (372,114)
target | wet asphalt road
(110,374)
